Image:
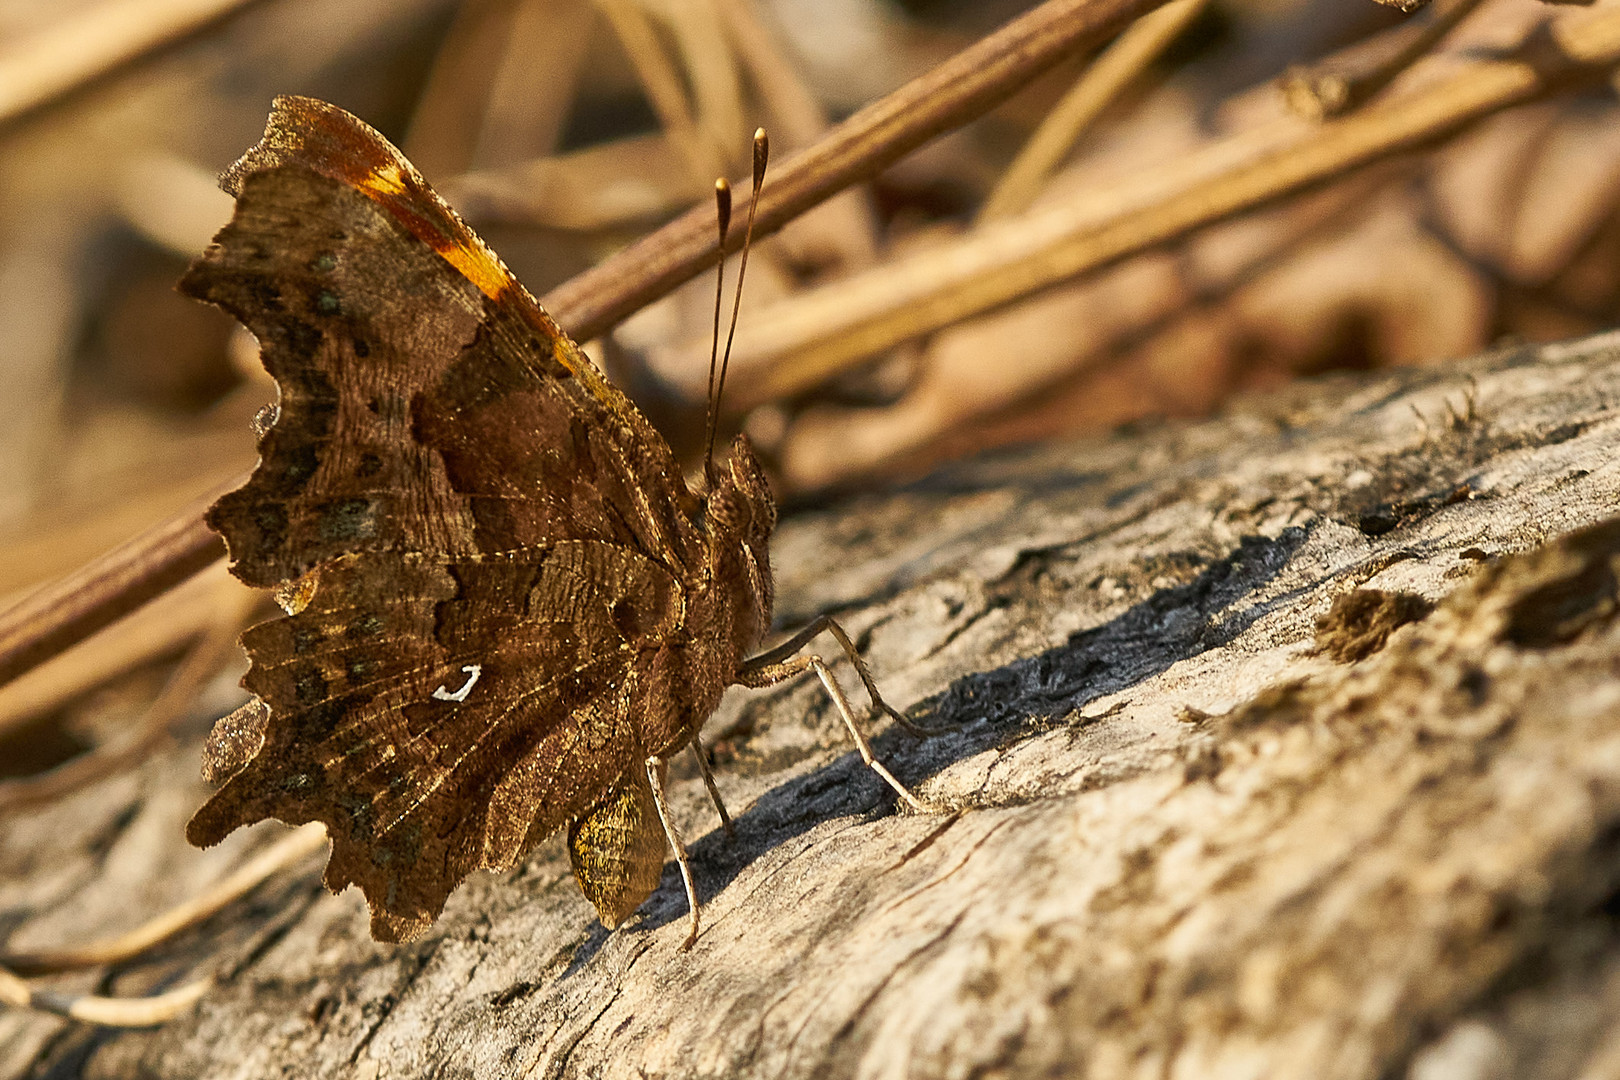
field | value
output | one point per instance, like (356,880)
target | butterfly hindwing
(432,728)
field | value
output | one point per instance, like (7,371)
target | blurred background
(564,129)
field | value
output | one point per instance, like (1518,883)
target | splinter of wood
(655,777)
(708,782)
(779,664)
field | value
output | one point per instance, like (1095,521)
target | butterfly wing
(487,539)
(439,721)
(427,402)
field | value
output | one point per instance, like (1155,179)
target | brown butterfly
(505,607)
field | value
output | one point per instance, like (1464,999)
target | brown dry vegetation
(1105,211)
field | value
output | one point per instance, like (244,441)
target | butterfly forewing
(338,470)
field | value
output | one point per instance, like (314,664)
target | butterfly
(505,607)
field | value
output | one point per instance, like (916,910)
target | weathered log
(1285,743)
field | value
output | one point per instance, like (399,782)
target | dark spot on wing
(298,464)
(579,440)
(391,407)
(625,619)
(325,716)
(347,519)
(309,685)
(270,521)
(367,625)
(264,292)
(357,809)
(300,338)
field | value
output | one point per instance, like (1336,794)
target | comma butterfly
(505,607)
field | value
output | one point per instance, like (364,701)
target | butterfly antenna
(722,206)
(762,153)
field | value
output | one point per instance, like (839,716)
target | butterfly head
(741,514)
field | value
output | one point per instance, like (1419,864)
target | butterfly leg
(655,776)
(714,791)
(770,668)
(774,658)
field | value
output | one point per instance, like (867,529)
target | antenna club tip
(722,185)
(762,153)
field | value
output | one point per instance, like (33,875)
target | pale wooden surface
(1181,843)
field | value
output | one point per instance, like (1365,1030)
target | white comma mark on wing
(472,671)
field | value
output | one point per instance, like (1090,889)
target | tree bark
(1285,743)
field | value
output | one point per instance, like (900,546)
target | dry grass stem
(798,343)
(287,852)
(106,1011)
(711,70)
(69,610)
(445,126)
(846,223)
(162,626)
(171,201)
(536,80)
(213,650)
(87,522)
(92,40)
(610,185)
(662,84)
(292,849)
(796,117)
(1347,81)
(1116,68)
(961,89)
